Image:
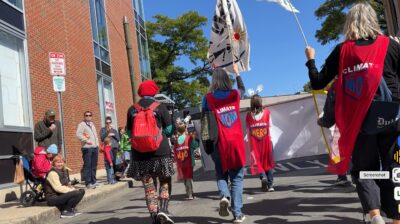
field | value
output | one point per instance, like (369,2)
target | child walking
(259,140)
(108,158)
(184,156)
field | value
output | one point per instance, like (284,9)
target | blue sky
(277,48)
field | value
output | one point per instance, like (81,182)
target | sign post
(57,70)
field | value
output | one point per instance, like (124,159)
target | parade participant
(184,157)
(59,191)
(230,155)
(370,59)
(150,163)
(259,141)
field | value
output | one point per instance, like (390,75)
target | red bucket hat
(148,88)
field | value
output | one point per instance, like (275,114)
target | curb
(52,214)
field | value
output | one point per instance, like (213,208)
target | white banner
(294,131)
(229,38)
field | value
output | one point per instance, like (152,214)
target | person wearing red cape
(259,142)
(184,156)
(365,63)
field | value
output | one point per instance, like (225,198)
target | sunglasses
(88,115)
(108,122)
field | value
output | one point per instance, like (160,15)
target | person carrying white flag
(286,5)
(229,42)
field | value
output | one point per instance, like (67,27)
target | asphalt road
(304,195)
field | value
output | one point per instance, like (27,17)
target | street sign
(57,63)
(59,83)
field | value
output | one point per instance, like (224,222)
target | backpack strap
(154,105)
(137,107)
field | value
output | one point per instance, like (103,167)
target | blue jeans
(268,176)
(109,169)
(89,156)
(236,177)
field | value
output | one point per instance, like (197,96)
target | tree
(171,40)
(333,13)
(307,87)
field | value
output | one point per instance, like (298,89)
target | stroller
(35,192)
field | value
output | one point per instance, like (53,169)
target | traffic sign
(59,83)
(57,63)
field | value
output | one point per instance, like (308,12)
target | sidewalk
(12,212)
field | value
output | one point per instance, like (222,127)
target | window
(13,89)
(16,3)
(100,37)
(142,40)
(106,99)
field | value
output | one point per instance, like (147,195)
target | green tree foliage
(333,12)
(307,87)
(171,40)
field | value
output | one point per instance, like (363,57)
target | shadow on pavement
(288,209)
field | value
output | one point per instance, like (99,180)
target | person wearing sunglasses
(112,133)
(87,135)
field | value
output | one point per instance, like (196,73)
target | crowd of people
(143,149)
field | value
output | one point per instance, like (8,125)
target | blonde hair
(361,23)
(57,158)
(107,140)
(181,127)
(220,80)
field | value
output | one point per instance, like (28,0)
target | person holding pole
(230,155)
(367,66)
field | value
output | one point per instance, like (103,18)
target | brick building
(90,33)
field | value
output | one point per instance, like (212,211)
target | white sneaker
(377,220)
(224,207)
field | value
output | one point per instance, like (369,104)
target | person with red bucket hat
(148,125)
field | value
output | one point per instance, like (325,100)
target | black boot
(153,216)
(163,214)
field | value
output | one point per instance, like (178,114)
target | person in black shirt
(149,166)
(371,152)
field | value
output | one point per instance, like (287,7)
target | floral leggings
(151,192)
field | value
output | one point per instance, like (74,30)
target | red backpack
(146,136)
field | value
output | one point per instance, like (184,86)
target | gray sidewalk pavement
(12,212)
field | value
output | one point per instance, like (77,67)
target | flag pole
(313,93)
(298,24)
(230,28)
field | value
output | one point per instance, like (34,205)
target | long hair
(220,80)
(256,106)
(361,23)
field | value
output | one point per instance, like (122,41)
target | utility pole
(128,44)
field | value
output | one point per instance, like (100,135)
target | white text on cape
(258,125)
(357,68)
(225,109)
(182,148)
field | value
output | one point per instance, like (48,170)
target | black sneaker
(342,181)
(163,218)
(264,185)
(76,212)
(239,219)
(224,207)
(67,214)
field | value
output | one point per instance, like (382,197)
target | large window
(142,39)
(100,37)
(106,99)
(102,58)
(13,93)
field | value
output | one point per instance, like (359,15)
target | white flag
(286,5)
(229,39)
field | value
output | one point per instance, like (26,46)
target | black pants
(66,201)
(375,153)
(90,156)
